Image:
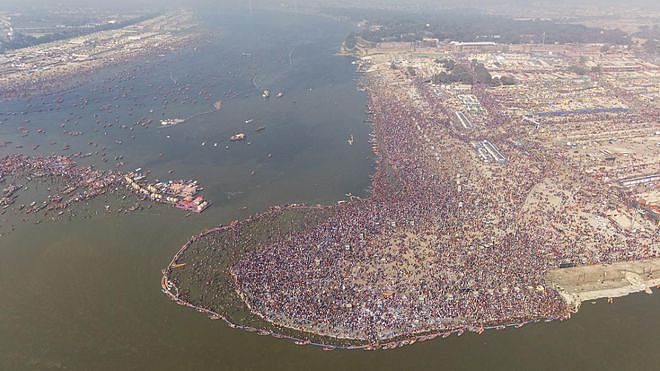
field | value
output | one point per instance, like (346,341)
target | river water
(84,293)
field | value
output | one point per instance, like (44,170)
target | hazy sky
(422,4)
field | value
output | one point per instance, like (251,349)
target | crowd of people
(444,243)
(347,277)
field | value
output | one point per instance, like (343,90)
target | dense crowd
(443,242)
(347,277)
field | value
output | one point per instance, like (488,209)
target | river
(84,293)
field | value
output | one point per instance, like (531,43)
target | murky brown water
(85,294)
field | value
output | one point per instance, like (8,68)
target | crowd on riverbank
(362,274)
(444,243)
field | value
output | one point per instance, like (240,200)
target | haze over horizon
(598,5)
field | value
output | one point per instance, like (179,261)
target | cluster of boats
(9,195)
(180,194)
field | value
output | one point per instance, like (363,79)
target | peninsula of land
(512,183)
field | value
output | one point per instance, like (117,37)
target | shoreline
(61,71)
(575,297)
(169,288)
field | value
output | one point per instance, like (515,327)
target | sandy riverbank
(56,65)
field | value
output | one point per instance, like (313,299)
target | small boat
(249,121)
(350,140)
(170,122)
(237,137)
(260,128)
(279,94)
(266,93)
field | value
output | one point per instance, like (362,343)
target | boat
(260,128)
(170,122)
(266,93)
(237,137)
(249,121)
(350,140)
(163,283)
(279,94)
